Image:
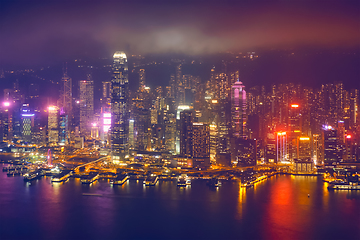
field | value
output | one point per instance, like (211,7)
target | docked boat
(350,186)
(214,182)
(32,175)
(183,181)
(120,180)
(247,184)
(151,180)
(92,177)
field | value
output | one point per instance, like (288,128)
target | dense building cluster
(193,121)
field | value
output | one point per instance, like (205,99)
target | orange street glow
(294,105)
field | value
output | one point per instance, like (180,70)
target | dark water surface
(277,208)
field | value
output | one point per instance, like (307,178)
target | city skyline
(179,120)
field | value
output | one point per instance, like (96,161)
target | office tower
(186,133)
(131,134)
(224,132)
(317,149)
(172,84)
(180,90)
(53,125)
(86,106)
(238,109)
(119,107)
(106,96)
(282,154)
(304,148)
(245,154)
(7,120)
(141,78)
(331,154)
(213,141)
(27,122)
(354,105)
(350,149)
(170,131)
(200,144)
(142,125)
(294,130)
(64,137)
(271,148)
(67,99)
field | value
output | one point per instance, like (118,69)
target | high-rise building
(119,107)
(86,106)
(142,78)
(53,125)
(238,109)
(186,133)
(200,144)
(282,154)
(294,130)
(354,105)
(7,121)
(170,132)
(180,90)
(304,148)
(27,122)
(245,154)
(106,95)
(331,153)
(317,149)
(67,98)
(64,129)
(271,148)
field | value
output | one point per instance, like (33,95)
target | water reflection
(241,201)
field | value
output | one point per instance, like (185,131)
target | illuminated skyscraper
(53,125)
(67,96)
(119,107)
(200,144)
(304,148)
(331,154)
(180,91)
(106,95)
(27,121)
(282,147)
(186,133)
(86,106)
(6,120)
(141,78)
(238,109)
(294,130)
(354,105)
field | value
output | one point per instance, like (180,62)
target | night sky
(39,32)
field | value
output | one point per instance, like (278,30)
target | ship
(183,181)
(33,175)
(344,186)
